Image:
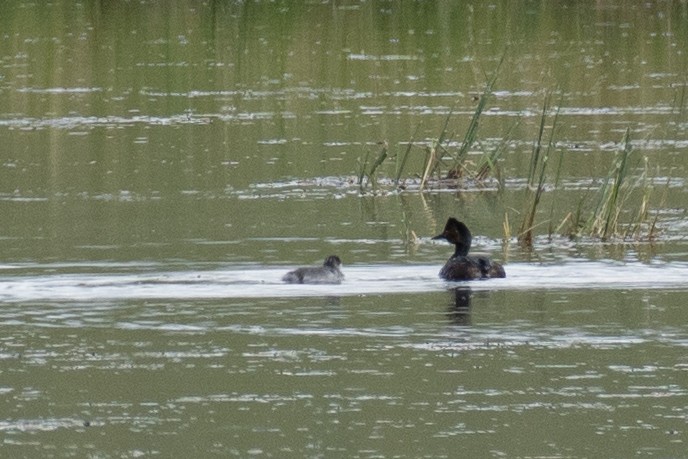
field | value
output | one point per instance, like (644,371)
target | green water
(152,154)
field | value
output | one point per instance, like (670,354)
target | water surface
(163,165)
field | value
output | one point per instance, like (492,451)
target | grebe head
(457,233)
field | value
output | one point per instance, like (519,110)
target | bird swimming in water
(328,273)
(462,266)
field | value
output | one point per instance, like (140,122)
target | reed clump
(455,160)
(443,164)
(612,202)
(438,153)
(609,205)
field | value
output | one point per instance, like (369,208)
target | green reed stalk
(576,219)
(362,170)
(604,220)
(381,156)
(430,164)
(616,199)
(472,132)
(489,161)
(557,178)
(635,228)
(507,229)
(432,156)
(366,178)
(401,163)
(652,231)
(537,171)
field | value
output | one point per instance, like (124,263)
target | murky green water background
(162,164)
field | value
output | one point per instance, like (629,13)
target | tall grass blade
(643,210)
(401,163)
(362,170)
(613,207)
(507,228)
(472,130)
(433,157)
(489,161)
(604,219)
(382,155)
(430,164)
(537,174)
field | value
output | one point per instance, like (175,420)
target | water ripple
(265,282)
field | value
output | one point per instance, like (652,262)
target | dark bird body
(462,266)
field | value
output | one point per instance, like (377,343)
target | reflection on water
(460,307)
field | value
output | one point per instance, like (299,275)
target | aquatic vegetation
(603,222)
(402,159)
(471,135)
(611,202)
(366,177)
(536,174)
(489,165)
(619,210)
(459,166)
(444,164)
